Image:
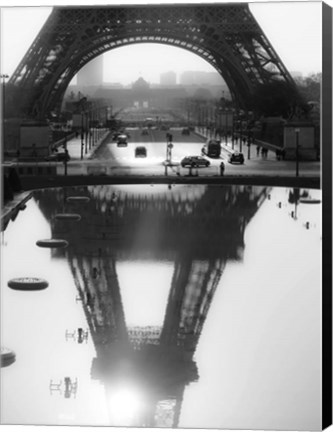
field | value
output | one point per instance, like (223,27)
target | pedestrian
(283,152)
(222,168)
(258,150)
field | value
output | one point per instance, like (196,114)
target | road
(113,160)
(123,158)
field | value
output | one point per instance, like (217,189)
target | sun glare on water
(126,404)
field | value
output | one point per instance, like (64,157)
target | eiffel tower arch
(226,35)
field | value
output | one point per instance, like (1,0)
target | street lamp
(82,135)
(86,133)
(248,147)
(233,129)
(66,154)
(226,126)
(297,130)
(240,135)
(89,129)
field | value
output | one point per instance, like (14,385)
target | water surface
(198,307)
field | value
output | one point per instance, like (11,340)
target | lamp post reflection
(68,386)
(297,131)
(79,336)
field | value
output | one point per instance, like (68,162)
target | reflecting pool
(187,306)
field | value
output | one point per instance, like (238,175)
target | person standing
(222,168)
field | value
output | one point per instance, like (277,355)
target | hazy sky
(293,28)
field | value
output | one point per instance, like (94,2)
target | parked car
(236,157)
(122,140)
(144,132)
(186,131)
(140,151)
(58,157)
(194,161)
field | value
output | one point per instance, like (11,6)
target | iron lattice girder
(225,35)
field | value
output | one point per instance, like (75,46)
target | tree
(309,87)
(277,98)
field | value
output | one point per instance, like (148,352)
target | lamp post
(82,105)
(240,135)
(249,134)
(297,130)
(226,126)
(66,155)
(86,134)
(82,135)
(233,130)
(89,129)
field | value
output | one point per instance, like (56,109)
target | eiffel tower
(198,229)
(226,35)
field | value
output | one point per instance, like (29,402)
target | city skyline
(298,45)
(90,76)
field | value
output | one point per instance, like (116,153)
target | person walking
(222,168)
(258,150)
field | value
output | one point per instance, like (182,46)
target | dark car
(194,161)
(122,140)
(186,131)
(236,158)
(140,151)
(145,132)
(212,148)
(58,157)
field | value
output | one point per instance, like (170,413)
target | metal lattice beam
(227,36)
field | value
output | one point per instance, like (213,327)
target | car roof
(194,157)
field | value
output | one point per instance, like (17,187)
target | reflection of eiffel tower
(200,228)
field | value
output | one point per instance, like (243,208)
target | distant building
(168,78)
(201,78)
(91,74)
(142,95)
